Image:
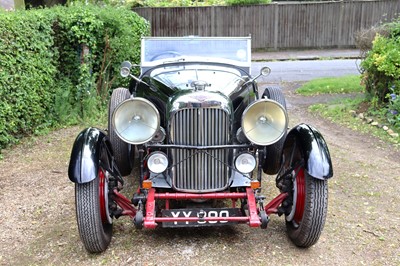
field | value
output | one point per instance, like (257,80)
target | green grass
(345,84)
(339,112)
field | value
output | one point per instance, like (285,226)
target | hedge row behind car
(57,65)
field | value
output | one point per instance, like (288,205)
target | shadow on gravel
(199,233)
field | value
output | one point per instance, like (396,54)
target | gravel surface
(362,228)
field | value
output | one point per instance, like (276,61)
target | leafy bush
(382,71)
(365,37)
(98,40)
(177,3)
(158,3)
(381,66)
(57,66)
(246,2)
(27,70)
(394,106)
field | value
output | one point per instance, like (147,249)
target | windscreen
(156,50)
(222,79)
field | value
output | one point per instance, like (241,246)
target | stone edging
(371,121)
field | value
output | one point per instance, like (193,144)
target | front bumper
(255,216)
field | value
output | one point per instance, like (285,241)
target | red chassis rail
(150,220)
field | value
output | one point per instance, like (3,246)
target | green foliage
(381,66)
(382,72)
(173,3)
(339,112)
(346,84)
(393,113)
(27,68)
(58,66)
(98,39)
(246,2)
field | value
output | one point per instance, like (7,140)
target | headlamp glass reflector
(264,122)
(245,163)
(136,120)
(157,162)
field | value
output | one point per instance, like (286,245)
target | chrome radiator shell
(200,119)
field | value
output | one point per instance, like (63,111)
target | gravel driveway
(38,224)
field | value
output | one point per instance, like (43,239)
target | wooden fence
(276,25)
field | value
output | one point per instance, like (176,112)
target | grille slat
(200,127)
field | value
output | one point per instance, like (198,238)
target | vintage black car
(202,135)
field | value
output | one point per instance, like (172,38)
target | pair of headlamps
(137,121)
(157,162)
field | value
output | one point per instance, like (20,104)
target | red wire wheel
(102,197)
(301,196)
(310,204)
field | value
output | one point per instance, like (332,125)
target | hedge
(58,65)
(381,74)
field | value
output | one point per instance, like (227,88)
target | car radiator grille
(200,170)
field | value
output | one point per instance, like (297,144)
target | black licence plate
(206,212)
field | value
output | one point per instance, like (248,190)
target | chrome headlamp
(264,122)
(157,162)
(245,163)
(136,120)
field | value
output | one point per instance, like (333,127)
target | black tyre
(310,204)
(273,162)
(92,213)
(123,152)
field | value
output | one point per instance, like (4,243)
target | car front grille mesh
(200,170)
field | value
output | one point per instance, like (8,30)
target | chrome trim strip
(192,147)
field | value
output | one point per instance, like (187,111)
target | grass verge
(345,84)
(340,112)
